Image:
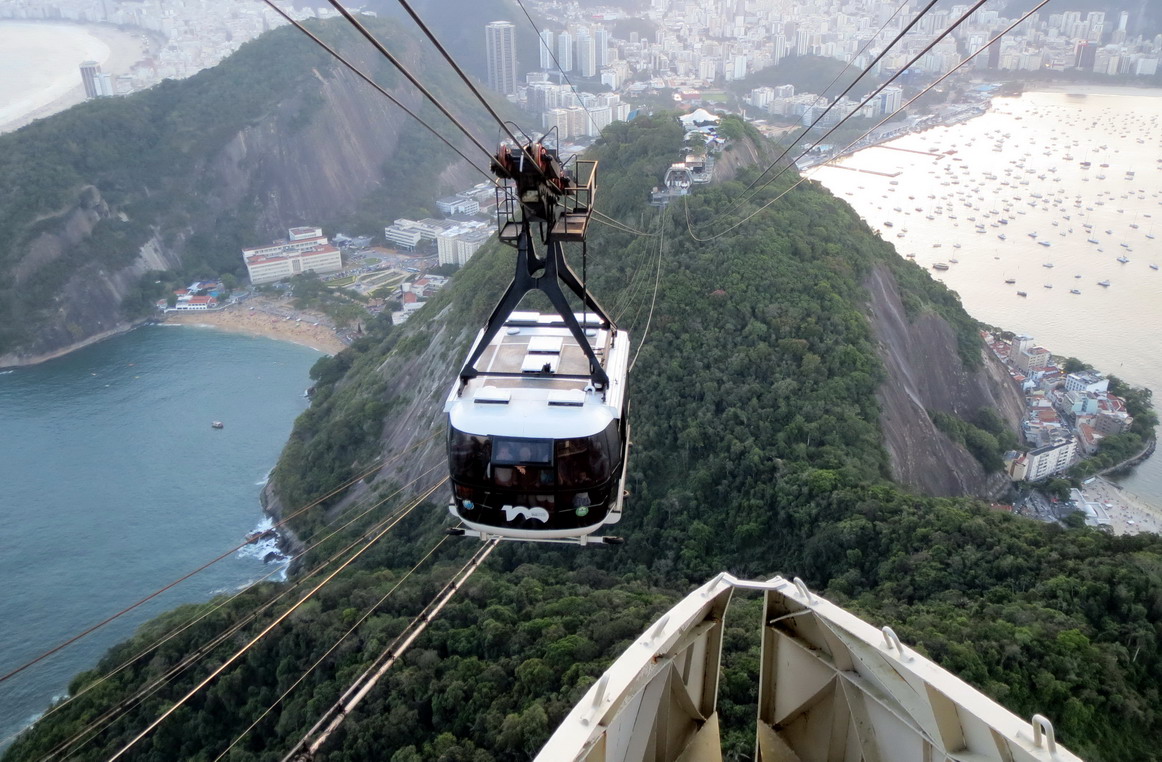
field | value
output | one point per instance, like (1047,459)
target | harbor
(1043,214)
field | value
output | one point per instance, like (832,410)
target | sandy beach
(43,58)
(1129,513)
(274,320)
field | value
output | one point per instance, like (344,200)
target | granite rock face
(924,372)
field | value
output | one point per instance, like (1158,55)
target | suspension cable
(803,179)
(182,628)
(654,298)
(867,70)
(382,91)
(557,63)
(145,692)
(924,51)
(93,628)
(464,78)
(266,630)
(407,74)
(314,739)
(342,638)
(608,221)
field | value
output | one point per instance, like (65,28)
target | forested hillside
(757,449)
(106,199)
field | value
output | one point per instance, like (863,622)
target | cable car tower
(537,424)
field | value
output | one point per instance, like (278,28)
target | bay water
(1056,191)
(113,483)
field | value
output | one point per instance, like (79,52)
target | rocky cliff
(317,146)
(925,373)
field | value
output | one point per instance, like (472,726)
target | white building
(546,49)
(1086,381)
(458,204)
(407,234)
(565,51)
(500,44)
(457,245)
(1050,459)
(307,250)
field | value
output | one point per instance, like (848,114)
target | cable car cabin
(535,451)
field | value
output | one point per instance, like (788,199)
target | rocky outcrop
(924,373)
(88,306)
(739,155)
(311,159)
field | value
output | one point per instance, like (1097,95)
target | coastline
(1129,513)
(1091,89)
(126,49)
(314,331)
(11,361)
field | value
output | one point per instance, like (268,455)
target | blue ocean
(114,483)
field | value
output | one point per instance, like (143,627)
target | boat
(1153,267)
(1123,260)
(217,425)
(1091,240)
(1074,291)
(1001,236)
(1010,281)
(1048,285)
(1044,243)
(1021,293)
(1105,283)
(1047,264)
(939,266)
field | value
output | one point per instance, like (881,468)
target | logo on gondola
(538,513)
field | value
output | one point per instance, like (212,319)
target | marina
(1025,174)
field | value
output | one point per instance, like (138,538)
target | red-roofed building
(307,250)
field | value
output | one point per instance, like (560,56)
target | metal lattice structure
(832,688)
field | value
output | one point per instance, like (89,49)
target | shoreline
(126,50)
(13,361)
(1092,89)
(232,319)
(314,332)
(1129,513)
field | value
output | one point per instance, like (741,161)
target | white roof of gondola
(541,405)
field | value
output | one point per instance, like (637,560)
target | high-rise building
(586,54)
(601,35)
(565,51)
(546,48)
(90,71)
(500,44)
(1086,56)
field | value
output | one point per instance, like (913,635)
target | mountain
(763,396)
(180,177)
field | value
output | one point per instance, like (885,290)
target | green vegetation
(809,74)
(986,437)
(155,163)
(342,305)
(1117,448)
(757,449)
